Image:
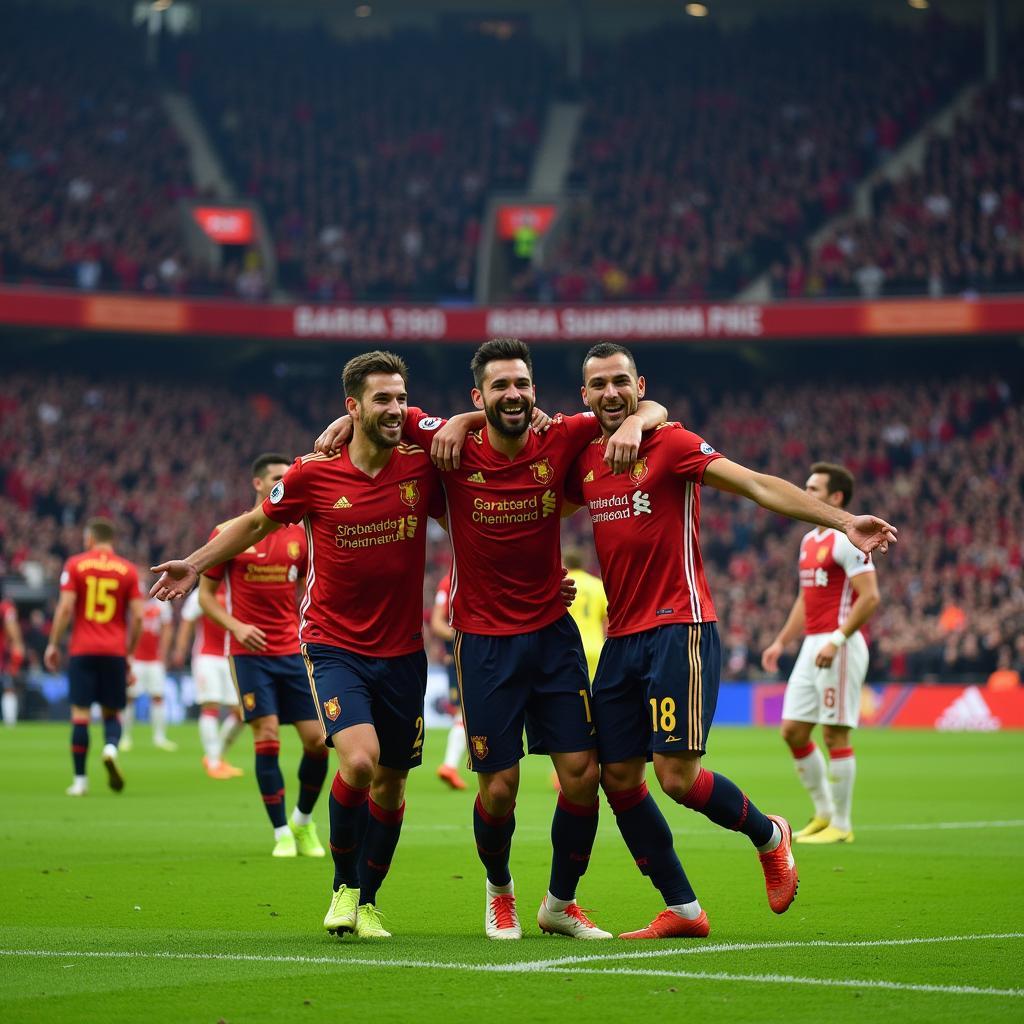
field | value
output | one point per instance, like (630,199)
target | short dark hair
(260,463)
(839,479)
(101,530)
(499,348)
(358,368)
(605,349)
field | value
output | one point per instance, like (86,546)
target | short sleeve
(851,558)
(68,577)
(288,501)
(689,454)
(420,428)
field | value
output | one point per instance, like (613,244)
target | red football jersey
(647,529)
(210,638)
(828,561)
(8,613)
(104,585)
(504,523)
(367,547)
(155,616)
(261,589)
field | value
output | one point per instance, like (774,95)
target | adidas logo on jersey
(343,502)
(476,478)
(968,713)
(589,478)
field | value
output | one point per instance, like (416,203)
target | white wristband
(838,638)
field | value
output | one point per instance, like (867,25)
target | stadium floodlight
(697,10)
(919,5)
(363,11)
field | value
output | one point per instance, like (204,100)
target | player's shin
(812,772)
(111,728)
(494,842)
(209,736)
(271,781)
(79,744)
(312,773)
(383,829)
(844,771)
(723,802)
(573,830)
(348,807)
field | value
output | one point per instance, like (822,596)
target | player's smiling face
(381,410)
(612,389)
(507,396)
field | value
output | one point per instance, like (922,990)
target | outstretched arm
(179,576)
(867,533)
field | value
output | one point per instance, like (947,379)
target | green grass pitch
(163,903)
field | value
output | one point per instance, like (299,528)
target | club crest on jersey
(639,470)
(542,471)
(332,709)
(480,750)
(822,554)
(294,549)
(249,701)
(409,492)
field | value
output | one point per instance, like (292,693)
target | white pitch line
(938,826)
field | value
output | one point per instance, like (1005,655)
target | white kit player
(149,674)
(838,594)
(215,689)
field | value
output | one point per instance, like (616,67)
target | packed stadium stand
(954,227)
(939,456)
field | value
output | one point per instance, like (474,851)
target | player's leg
(679,726)
(209,738)
(383,830)
(801,709)
(559,721)
(128,718)
(312,772)
(223,692)
(79,748)
(230,729)
(112,696)
(156,686)
(455,744)
(9,701)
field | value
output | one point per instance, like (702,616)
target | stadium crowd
(941,459)
(955,227)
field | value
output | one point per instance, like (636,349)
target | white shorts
(827,696)
(212,676)
(150,677)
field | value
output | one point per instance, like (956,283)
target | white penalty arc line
(574,964)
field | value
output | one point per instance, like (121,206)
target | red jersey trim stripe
(689,569)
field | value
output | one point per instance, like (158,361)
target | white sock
(10,708)
(209,736)
(455,749)
(773,842)
(300,818)
(229,730)
(158,718)
(691,911)
(127,720)
(554,904)
(499,890)
(844,771)
(109,750)
(281,831)
(81,780)
(813,774)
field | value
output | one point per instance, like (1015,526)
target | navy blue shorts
(273,685)
(98,679)
(656,691)
(537,680)
(387,693)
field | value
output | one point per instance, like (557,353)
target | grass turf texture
(163,903)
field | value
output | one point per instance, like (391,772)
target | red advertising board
(534,217)
(228,225)
(536,323)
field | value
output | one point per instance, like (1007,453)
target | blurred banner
(373,323)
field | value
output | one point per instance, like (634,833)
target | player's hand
(51,658)
(869,533)
(335,437)
(825,656)
(567,588)
(770,657)
(621,451)
(177,579)
(540,421)
(252,638)
(446,447)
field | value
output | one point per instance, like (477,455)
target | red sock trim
(490,819)
(700,792)
(346,795)
(801,752)
(385,816)
(268,748)
(79,750)
(840,752)
(627,799)
(272,799)
(209,713)
(579,810)
(79,721)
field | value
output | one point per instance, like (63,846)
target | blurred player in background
(214,689)
(455,746)
(590,609)
(657,685)
(99,592)
(262,581)
(149,669)
(12,657)
(838,593)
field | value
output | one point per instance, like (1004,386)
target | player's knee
(676,776)
(795,734)
(618,777)
(498,794)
